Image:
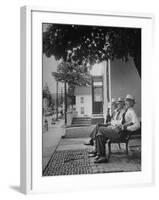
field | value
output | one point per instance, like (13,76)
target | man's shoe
(96,158)
(92,155)
(89,143)
(91,152)
(101,160)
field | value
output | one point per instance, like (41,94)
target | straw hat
(114,100)
(130,97)
(120,100)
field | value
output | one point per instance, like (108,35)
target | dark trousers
(94,133)
(105,133)
(100,145)
(95,130)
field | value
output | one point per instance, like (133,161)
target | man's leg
(103,134)
(97,128)
(100,142)
(92,135)
(93,140)
(101,153)
(108,132)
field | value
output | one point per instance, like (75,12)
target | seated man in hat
(96,127)
(116,120)
(129,122)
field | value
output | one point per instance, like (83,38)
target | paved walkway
(79,132)
(71,157)
(51,139)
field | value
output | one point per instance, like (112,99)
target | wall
(125,80)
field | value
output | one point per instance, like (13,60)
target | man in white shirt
(129,122)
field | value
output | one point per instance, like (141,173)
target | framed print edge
(25,106)
(28,178)
(100,12)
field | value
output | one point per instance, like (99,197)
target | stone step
(81,118)
(81,121)
(76,120)
(79,125)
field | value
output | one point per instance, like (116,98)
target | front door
(97,96)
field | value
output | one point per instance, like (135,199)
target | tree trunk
(65,102)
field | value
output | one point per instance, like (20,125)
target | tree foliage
(72,74)
(86,45)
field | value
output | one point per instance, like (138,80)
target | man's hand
(123,127)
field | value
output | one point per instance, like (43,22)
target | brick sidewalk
(71,157)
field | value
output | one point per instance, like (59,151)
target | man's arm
(135,121)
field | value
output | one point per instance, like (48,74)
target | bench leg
(109,149)
(119,145)
(127,151)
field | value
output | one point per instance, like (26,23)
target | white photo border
(32,180)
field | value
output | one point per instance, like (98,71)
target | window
(98,94)
(82,100)
(82,110)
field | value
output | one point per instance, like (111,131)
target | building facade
(92,101)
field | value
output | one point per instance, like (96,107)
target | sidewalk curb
(51,157)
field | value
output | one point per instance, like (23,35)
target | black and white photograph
(91,99)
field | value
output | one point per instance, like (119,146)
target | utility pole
(65,89)
(61,102)
(56,100)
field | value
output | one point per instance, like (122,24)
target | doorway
(97,95)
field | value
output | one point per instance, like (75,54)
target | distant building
(93,100)
(90,99)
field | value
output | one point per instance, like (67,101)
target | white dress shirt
(130,116)
(117,119)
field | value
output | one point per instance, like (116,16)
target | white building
(92,101)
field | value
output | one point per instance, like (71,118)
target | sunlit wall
(125,80)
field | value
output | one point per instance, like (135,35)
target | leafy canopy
(72,74)
(86,45)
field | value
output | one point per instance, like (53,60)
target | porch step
(79,125)
(81,121)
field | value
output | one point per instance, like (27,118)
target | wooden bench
(128,136)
